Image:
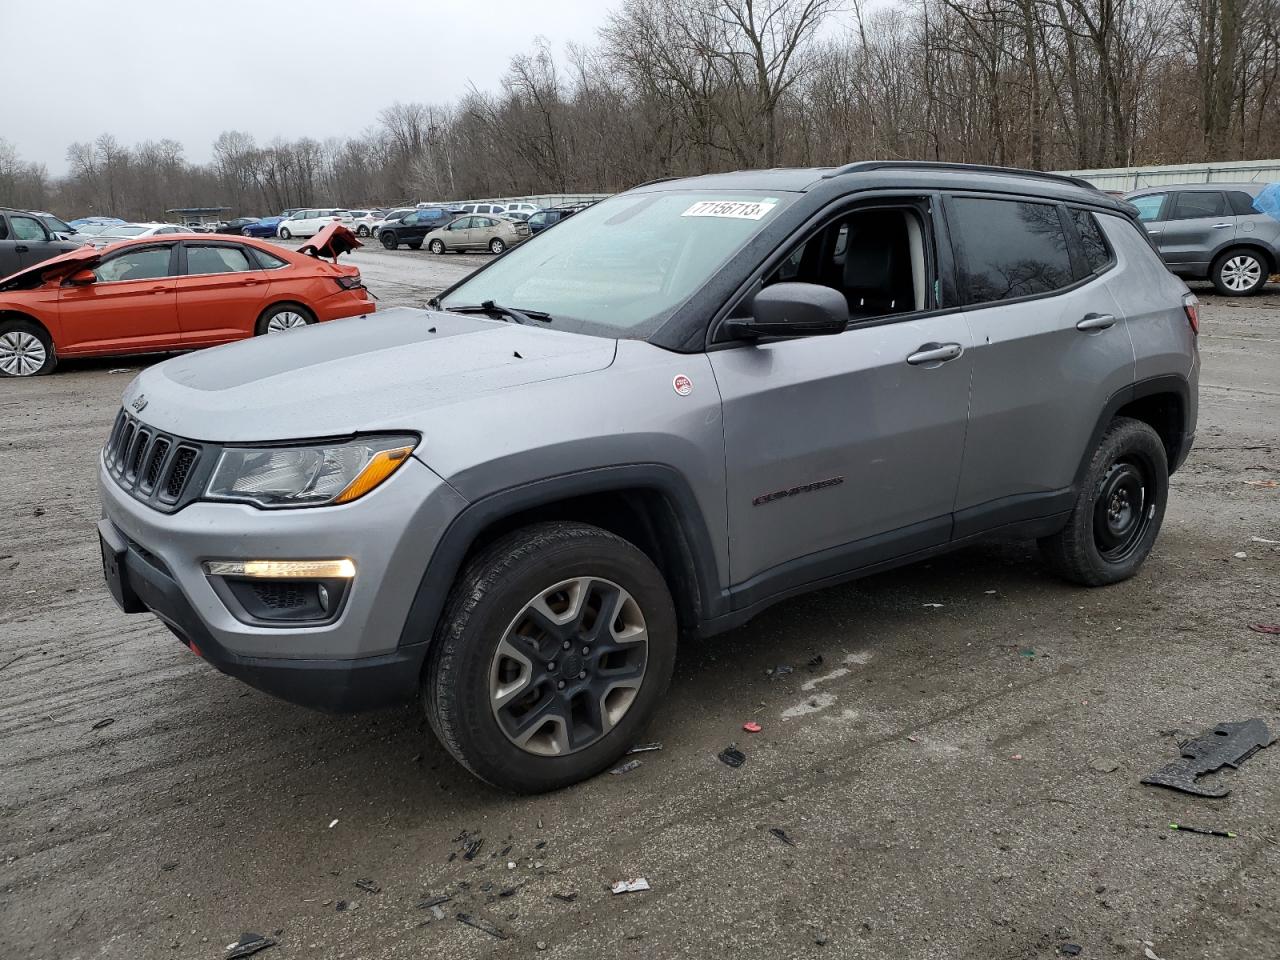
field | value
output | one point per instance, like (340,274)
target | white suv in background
(307,223)
(523,206)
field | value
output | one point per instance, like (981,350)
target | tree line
(680,87)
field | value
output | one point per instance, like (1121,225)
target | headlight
(307,476)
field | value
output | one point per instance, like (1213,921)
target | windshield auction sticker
(730,209)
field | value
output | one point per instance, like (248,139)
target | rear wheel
(284,316)
(245,232)
(26,349)
(1238,273)
(389,240)
(496,245)
(436,246)
(362,231)
(1118,513)
(285,234)
(554,649)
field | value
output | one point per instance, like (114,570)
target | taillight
(1191,305)
(350,283)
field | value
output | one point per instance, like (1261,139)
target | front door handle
(21,248)
(934,353)
(1222,226)
(1096,321)
(159,289)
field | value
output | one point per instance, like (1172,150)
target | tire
(466,666)
(285,234)
(244,232)
(496,245)
(1239,273)
(362,231)
(414,244)
(26,349)
(1117,516)
(280,317)
(436,246)
(389,240)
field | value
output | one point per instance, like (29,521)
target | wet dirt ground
(958,777)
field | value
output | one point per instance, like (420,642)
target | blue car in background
(266,227)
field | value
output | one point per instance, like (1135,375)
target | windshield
(620,268)
(61,226)
(124,231)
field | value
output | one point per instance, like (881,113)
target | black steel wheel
(388,239)
(1119,510)
(553,652)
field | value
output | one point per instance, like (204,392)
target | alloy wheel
(569,666)
(1122,511)
(497,246)
(21,353)
(1241,273)
(285,320)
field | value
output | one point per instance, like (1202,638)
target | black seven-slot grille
(162,470)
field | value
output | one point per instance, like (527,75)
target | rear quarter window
(1092,242)
(1241,203)
(1007,249)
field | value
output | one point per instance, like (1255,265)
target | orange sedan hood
(63,265)
(332,241)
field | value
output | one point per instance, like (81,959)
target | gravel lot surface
(958,776)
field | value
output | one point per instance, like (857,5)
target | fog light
(282,569)
(322,594)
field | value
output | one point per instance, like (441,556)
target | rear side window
(1241,203)
(1008,249)
(1092,243)
(216,258)
(1192,204)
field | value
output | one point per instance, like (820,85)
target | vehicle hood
(393,370)
(63,265)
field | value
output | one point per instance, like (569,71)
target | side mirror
(788,310)
(82,278)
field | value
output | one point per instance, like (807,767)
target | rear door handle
(1096,321)
(934,353)
(21,248)
(159,289)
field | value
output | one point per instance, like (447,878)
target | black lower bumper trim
(334,686)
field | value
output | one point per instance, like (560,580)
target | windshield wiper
(519,316)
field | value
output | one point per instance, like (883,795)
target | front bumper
(354,662)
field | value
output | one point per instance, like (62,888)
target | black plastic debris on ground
(566,897)
(430,902)
(364,883)
(732,756)
(248,944)
(473,848)
(1226,745)
(782,835)
(1070,949)
(483,926)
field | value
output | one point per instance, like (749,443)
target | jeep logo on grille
(138,404)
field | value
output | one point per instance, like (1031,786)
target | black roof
(898,174)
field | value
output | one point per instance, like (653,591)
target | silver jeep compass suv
(679,406)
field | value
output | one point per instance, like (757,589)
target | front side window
(1008,248)
(622,267)
(1190,205)
(1148,206)
(1096,253)
(148,263)
(461,224)
(28,228)
(215,258)
(538,218)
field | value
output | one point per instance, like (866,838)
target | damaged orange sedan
(176,292)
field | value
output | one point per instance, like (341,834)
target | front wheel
(496,245)
(436,246)
(389,240)
(1117,516)
(25,350)
(285,234)
(555,647)
(362,231)
(282,317)
(1238,273)
(246,232)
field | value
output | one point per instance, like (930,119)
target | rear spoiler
(333,241)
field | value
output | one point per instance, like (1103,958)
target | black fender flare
(456,542)
(1168,383)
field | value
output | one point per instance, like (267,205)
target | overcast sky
(148,69)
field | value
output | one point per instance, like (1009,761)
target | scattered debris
(332,824)
(104,722)
(782,835)
(120,370)
(473,848)
(1262,483)
(1207,832)
(1240,555)
(1271,628)
(566,897)
(435,901)
(482,925)
(1028,652)
(815,662)
(171,865)
(1104,765)
(646,747)
(626,767)
(10,663)
(820,939)
(634,885)
(511,864)
(914,739)
(1070,949)
(932,606)
(1252,539)
(508,891)
(733,757)
(1226,745)
(541,944)
(340,905)
(38,512)
(1016,756)
(989,593)
(364,883)
(505,850)
(249,943)
(752,727)
(779,671)
(1147,951)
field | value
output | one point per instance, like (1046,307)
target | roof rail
(862,166)
(653,181)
